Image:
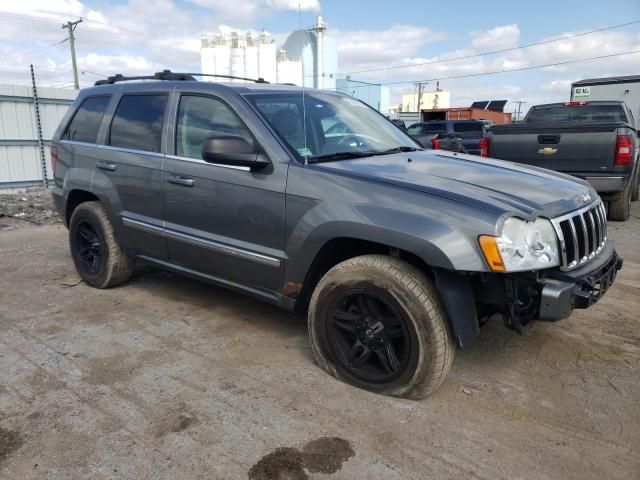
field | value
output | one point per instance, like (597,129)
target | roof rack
(169,75)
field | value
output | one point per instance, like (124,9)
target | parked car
(470,132)
(399,123)
(437,141)
(397,254)
(595,141)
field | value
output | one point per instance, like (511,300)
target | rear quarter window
(137,123)
(85,124)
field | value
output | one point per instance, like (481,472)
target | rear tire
(370,306)
(96,253)
(620,208)
(636,186)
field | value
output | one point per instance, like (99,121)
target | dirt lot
(168,378)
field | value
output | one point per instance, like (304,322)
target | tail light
(436,143)
(484,147)
(575,104)
(624,151)
(54,158)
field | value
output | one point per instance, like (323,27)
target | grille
(582,235)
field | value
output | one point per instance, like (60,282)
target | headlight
(522,246)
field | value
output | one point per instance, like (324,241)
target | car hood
(494,185)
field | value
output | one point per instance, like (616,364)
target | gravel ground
(168,378)
(32,206)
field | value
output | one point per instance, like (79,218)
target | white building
(306,57)
(428,100)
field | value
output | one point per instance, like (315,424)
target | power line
(119,33)
(36,50)
(493,52)
(495,72)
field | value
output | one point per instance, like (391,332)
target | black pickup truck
(595,141)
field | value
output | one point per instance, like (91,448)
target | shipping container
(466,113)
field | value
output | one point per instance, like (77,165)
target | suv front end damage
(547,295)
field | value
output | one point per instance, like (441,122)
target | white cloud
(304,5)
(142,36)
(362,49)
(504,36)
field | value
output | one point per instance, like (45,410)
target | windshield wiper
(400,149)
(330,157)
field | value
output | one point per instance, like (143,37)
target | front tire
(377,322)
(96,253)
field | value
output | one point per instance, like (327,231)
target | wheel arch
(74,198)
(454,288)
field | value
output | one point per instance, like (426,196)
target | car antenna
(304,107)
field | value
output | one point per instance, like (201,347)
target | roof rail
(169,75)
(231,77)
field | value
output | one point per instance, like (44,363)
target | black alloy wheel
(89,248)
(368,336)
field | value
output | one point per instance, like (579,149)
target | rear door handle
(106,166)
(186,181)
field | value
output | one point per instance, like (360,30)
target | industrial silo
(266,58)
(288,71)
(251,60)
(207,59)
(222,55)
(237,56)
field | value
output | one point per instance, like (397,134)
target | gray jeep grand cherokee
(311,200)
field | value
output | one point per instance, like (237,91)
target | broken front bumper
(562,292)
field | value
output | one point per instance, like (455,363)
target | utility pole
(420,86)
(519,102)
(71,26)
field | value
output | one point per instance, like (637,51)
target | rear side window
(434,128)
(468,129)
(137,123)
(86,121)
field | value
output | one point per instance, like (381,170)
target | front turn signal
(489,248)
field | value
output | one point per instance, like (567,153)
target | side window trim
(112,117)
(172,150)
(102,120)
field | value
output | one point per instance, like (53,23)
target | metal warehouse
(626,88)
(21,159)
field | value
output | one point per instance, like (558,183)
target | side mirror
(233,150)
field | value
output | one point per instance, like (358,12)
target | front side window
(415,130)
(86,122)
(137,123)
(320,124)
(201,118)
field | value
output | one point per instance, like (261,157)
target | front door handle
(186,181)
(106,166)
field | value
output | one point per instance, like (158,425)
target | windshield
(578,113)
(335,124)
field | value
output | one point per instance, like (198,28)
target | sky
(381,41)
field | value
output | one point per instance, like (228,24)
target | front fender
(439,240)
